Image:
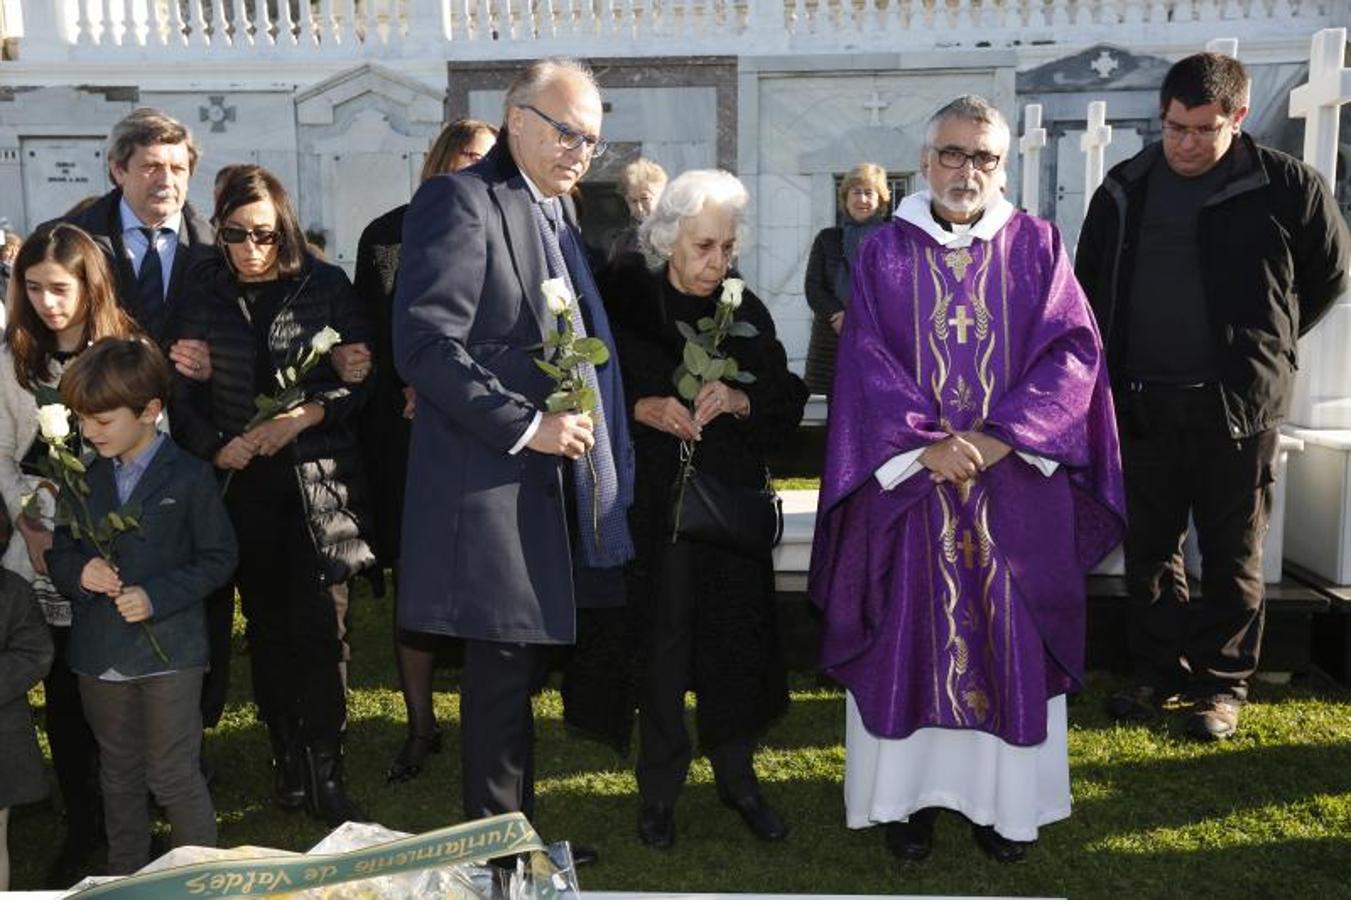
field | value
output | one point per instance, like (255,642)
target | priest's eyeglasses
(956,158)
(570,138)
(263,237)
(1206,134)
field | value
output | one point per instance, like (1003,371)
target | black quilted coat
(205,417)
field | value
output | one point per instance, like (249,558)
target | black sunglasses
(263,237)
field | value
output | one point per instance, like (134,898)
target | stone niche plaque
(58,173)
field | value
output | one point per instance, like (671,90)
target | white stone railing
(117,30)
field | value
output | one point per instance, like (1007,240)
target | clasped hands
(961,456)
(269,437)
(671,415)
(99,577)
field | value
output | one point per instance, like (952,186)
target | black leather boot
(288,763)
(327,798)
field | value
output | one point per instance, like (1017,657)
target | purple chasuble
(964,607)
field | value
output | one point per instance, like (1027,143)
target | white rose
(556,295)
(325,340)
(731,292)
(54,421)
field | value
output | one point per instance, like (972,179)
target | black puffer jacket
(1274,254)
(205,417)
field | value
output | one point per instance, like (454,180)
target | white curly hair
(684,197)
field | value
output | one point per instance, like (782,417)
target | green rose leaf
(714,370)
(587,400)
(117,521)
(745,377)
(695,358)
(743,330)
(74,529)
(730,368)
(70,461)
(688,386)
(594,350)
(550,369)
(686,331)
(705,324)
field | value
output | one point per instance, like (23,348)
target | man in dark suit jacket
(490,551)
(151,234)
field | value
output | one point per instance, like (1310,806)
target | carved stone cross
(1105,64)
(875,105)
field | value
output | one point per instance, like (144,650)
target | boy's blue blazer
(184,549)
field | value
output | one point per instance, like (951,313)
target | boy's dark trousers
(149,732)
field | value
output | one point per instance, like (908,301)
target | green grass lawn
(1267,814)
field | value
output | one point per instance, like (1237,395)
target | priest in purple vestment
(972,479)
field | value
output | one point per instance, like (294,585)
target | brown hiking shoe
(1214,719)
(1134,704)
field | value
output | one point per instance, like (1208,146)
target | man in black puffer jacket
(1205,257)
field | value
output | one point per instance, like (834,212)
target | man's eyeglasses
(570,138)
(1206,134)
(954,158)
(263,237)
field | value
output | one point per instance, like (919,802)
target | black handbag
(707,510)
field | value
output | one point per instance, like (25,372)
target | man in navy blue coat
(491,551)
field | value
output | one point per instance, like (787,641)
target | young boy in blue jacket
(143,707)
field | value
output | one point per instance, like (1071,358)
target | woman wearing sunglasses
(296,481)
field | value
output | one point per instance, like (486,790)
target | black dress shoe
(758,815)
(656,826)
(412,755)
(996,846)
(912,840)
(584,855)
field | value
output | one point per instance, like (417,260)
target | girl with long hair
(62,298)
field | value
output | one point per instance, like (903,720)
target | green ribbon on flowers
(471,842)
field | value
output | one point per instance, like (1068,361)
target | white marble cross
(1094,143)
(1105,64)
(1030,145)
(875,105)
(1318,101)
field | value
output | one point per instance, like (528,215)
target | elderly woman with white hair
(705,610)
